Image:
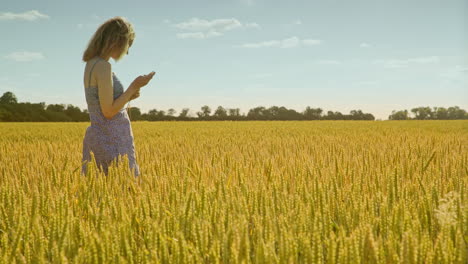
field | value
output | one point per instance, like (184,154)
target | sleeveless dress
(108,139)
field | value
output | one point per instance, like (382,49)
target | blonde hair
(115,33)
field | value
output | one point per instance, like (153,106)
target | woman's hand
(142,80)
(135,95)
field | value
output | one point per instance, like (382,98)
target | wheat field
(239,192)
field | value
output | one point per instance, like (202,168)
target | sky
(372,55)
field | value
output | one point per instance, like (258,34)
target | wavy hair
(115,33)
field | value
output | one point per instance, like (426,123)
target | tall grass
(239,192)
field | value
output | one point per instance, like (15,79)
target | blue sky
(372,55)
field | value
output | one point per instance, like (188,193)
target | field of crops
(239,192)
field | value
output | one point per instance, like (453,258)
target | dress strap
(89,79)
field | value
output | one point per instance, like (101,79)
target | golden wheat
(239,192)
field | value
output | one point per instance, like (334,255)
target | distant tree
(134,113)
(4,115)
(75,113)
(359,115)
(206,110)
(455,112)
(204,114)
(220,113)
(56,108)
(43,105)
(422,113)
(368,116)
(334,116)
(171,112)
(12,110)
(399,115)
(152,115)
(257,113)
(282,113)
(356,113)
(235,112)
(184,113)
(441,113)
(161,114)
(272,113)
(8,98)
(56,113)
(312,113)
(155,115)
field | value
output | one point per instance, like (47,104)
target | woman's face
(115,55)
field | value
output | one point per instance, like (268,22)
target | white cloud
(365,45)
(272,43)
(221,25)
(212,34)
(252,25)
(198,35)
(285,43)
(23,56)
(403,63)
(201,28)
(195,35)
(311,41)
(28,16)
(290,42)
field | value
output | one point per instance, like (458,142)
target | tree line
(427,113)
(13,111)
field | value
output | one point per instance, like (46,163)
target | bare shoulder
(101,70)
(103,67)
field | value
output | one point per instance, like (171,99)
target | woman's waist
(98,118)
(96,108)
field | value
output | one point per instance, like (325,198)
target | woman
(110,135)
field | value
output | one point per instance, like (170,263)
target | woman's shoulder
(102,66)
(97,68)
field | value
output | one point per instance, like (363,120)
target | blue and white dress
(108,139)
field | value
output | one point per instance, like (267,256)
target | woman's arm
(109,106)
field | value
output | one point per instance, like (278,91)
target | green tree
(204,113)
(441,113)
(312,113)
(220,113)
(455,112)
(8,98)
(134,113)
(399,115)
(184,113)
(56,108)
(422,113)
(257,113)
(171,112)
(234,112)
